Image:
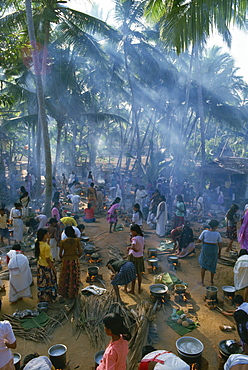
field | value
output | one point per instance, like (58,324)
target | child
(136,252)
(115,355)
(137,215)
(4,232)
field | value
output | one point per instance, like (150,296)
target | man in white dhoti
(161,217)
(16,218)
(20,277)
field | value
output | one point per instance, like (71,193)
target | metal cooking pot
(152,252)
(85,238)
(98,356)
(93,270)
(180,288)
(158,290)
(153,261)
(211,292)
(89,249)
(57,354)
(17,360)
(189,346)
(229,291)
(173,259)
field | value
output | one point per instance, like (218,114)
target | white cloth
(39,363)
(166,361)
(71,178)
(20,277)
(77,232)
(161,218)
(235,360)
(241,272)
(212,237)
(54,248)
(118,191)
(140,198)
(17,225)
(244,307)
(42,221)
(136,219)
(6,332)
(75,199)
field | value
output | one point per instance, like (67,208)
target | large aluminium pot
(211,292)
(158,290)
(57,354)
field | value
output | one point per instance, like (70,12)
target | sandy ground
(80,354)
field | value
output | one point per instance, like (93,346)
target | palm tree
(42,109)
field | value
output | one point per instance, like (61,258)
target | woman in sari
(180,211)
(243,232)
(70,251)
(231,223)
(112,214)
(20,277)
(92,197)
(46,275)
(161,217)
(24,200)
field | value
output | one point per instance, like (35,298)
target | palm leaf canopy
(185,22)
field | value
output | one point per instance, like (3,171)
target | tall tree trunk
(38,159)
(201,113)
(57,155)
(42,110)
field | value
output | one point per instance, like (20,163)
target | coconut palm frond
(13,123)
(89,24)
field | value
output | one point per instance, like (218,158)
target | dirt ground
(80,354)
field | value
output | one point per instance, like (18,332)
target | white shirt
(244,307)
(77,233)
(235,360)
(43,221)
(241,272)
(212,237)
(136,219)
(6,332)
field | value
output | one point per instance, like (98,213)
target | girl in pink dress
(112,214)
(115,355)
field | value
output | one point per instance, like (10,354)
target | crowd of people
(164,206)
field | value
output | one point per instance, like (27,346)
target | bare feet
(130,291)
(140,291)
(201,283)
(125,291)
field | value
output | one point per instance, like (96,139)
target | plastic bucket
(57,354)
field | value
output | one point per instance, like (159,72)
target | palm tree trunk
(57,155)
(200,112)
(42,110)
